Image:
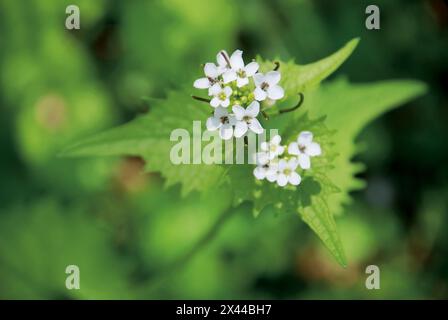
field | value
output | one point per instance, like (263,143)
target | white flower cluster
(229,85)
(274,166)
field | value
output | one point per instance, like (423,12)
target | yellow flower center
(241,73)
(222,96)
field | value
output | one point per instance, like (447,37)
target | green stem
(201,99)
(302,98)
(277,65)
(265,115)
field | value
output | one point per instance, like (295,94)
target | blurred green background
(129,236)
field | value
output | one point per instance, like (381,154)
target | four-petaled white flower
(286,173)
(212,72)
(267,86)
(247,119)
(304,148)
(265,168)
(223,121)
(239,71)
(221,96)
(273,147)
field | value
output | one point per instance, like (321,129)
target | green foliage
(343,108)
(33,263)
(309,199)
(59,85)
(167,47)
(149,136)
(56,86)
(349,108)
(299,78)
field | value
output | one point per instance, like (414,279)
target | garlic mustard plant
(232,83)
(307,171)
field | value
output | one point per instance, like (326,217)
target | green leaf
(149,137)
(310,199)
(298,78)
(349,108)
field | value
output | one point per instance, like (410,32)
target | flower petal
(304,161)
(240,129)
(215,89)
(215,102)
(259,173)
(293,148)
(273,77)
(313,149)
(228,91)
(226,132)
(225,103)
(211,70)
(236,60)
(229,76)
(294,179)
(264,146)
(202,83)
(280,150)
(275,92)
(271,171)
(282,180)
(255,126)
(282,165)
(274,163)
(239,112)
(253,109)
(271,177)
(220,112)
(213,123)
(292,163)
(259,94)
(220,58)
(258,79)
(276,139)
(232,119)
(272,155)
(241,82)
(251,68)
(261,158)
(305,137)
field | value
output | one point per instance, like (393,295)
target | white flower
(221,96)
(273,147)
(212,72)
(267,86)
(304,148)
(261,158)
(223,121)
(223,58)
(239,71)
(266,170)
(287,173)
(247,119)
